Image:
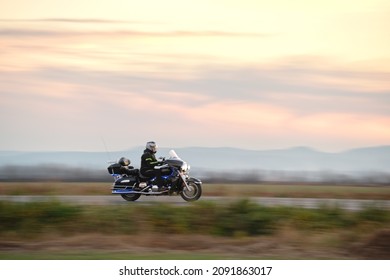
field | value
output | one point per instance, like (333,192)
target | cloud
(82,25)
(304,94)
(67,20)
(23,32)
(55,93)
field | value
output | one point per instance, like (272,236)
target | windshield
(172,154)
(174,160)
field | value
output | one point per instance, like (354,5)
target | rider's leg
(154,173)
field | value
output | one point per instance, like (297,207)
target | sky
(79,75)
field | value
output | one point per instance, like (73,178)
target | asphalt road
(348,204)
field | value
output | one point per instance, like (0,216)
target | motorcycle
(131,184)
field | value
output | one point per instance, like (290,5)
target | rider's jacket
(148,161)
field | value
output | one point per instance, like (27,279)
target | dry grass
(230,190)
(54,188)
(299,191)
(287,244)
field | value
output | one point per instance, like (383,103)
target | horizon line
(200,147)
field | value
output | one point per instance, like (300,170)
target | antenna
(107,151)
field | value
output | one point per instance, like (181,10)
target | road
(348,204)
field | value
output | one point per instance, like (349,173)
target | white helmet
(151,146)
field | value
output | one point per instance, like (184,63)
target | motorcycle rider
(149,162)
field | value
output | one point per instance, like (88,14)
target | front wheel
(193,192)
(131,196)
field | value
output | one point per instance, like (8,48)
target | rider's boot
(140,186)
(160,184)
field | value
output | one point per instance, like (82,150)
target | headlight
(184,167)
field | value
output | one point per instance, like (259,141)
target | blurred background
(281,99)
(245,74)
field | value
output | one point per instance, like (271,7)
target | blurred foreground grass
(230,190)
(239,218)
(241,228)
(106,255)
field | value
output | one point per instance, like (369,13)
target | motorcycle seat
(131,171)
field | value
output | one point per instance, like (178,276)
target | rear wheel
(131,196)
(193,192)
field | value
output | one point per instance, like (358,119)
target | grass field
(231,190)
(205,230)
(236,230)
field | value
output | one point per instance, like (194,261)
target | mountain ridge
(299,158)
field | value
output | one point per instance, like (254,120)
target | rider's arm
(151,162)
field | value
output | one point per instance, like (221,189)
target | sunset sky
(79,75)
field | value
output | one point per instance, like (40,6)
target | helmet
(151,146)
(124,161)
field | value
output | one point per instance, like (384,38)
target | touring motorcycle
(131,184)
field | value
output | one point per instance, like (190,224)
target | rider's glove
(161,159)
(160,166)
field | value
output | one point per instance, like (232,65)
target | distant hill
(219,159)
